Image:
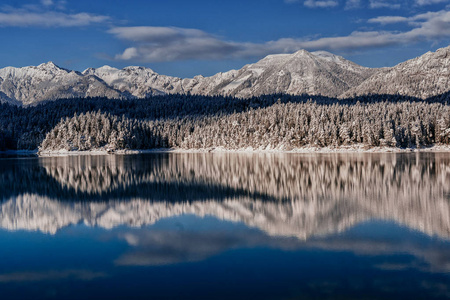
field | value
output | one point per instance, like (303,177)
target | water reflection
(156,246)
(277,225)
(283,195)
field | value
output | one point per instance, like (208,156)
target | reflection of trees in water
(282,194)
(280,176)
(101,178)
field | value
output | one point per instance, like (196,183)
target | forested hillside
(197,122)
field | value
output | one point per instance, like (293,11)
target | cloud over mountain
(163,44)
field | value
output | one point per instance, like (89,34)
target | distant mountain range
(315,73)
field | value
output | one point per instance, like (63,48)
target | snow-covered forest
(198,122)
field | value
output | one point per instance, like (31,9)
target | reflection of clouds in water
(171,247)
(162,247)
(394,266)
(50,275)
(432,258)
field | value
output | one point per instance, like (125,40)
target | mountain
(137,82)
(316,73)
(30,85)
(302,72)
(299,73)
(422,77)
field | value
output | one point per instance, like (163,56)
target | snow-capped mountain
(137,82)
(47,81)
(422,77)
(302,72)
(316,73)
(299,73)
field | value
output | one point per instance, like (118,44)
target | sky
(187,38)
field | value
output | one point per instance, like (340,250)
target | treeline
(283,126)
(27,127)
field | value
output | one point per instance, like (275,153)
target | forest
(281,122)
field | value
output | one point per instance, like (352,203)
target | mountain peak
(106,67)
(51,68)
(138,69)
(302,72)
(301,52)
(48,65)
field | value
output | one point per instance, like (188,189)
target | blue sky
(185,38)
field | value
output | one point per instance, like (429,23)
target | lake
(226,226)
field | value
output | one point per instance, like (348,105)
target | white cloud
(171,43)
(429,2)
(320,3)
(59,4)
(352,4)
(429,26)
(388,20)
(157,44)
(129,53)
(47,2)
(375,4)
(49,19)
(413,21)
(41,16)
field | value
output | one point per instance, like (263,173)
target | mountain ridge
(423,77)
(313,73)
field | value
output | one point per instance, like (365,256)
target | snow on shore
(342,149)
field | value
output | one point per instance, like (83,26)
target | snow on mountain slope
(425,76)
(316,73)
(47,81)
(138,82)
(298,73)
(319,73)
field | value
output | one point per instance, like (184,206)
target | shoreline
(303,150)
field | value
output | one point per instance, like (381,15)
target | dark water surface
(226,226)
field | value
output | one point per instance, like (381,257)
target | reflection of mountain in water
(297,195)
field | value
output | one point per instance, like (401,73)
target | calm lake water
(226,226)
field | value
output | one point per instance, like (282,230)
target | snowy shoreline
(306,150)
